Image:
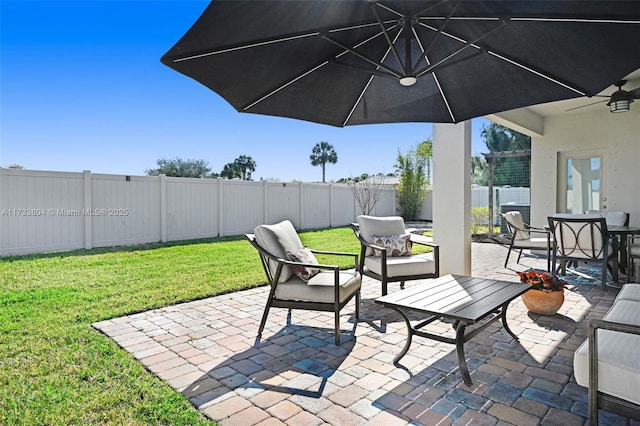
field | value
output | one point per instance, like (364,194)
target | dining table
(622,232)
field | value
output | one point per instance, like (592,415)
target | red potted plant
(546,294)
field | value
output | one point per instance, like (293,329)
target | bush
(479,219)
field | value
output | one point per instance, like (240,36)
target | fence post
(330,205)
(265,200)
(163,208)
(300,205)
(88,223)
(220,207)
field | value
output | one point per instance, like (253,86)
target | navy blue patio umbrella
(345,62)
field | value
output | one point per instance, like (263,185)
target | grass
(55,368)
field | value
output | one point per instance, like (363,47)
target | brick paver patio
(295,375)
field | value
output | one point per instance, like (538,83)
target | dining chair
(582,238)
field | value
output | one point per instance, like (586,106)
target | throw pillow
(303,255)
(395,245)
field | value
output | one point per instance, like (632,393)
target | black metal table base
(461,337)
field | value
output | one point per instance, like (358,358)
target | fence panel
(125,211)
(343,205)
(192,208)
(41,211)
(316,205)
(283,202)
(242,209)
(84,210)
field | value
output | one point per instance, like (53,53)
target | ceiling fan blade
(584,106)
(635,93)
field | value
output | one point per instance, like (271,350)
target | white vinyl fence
(49,211)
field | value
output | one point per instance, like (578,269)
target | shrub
(479,219)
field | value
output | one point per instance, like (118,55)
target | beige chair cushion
(277,239)
(618,360)
(380,226)
(320,288)
(574,238)
(403,265)
(514,218)
(534,243)
(613,218)
(634,250)
(629,292)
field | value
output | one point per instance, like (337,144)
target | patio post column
(452,196)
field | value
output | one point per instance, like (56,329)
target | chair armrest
(337,253)
(539,231)
(309,265)
(594,326)
(422,240)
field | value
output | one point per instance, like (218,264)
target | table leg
(407,344)
(503,317)
(462,362)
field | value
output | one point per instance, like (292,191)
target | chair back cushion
(277,239)
(577,236)
(516,224)
(613,218)
(371,226)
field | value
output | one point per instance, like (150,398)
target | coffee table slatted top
(467,299)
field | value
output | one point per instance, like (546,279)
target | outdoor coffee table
(465,300)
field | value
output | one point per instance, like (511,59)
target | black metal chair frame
(383,278)
(574,253)
(599,399)
(273,279)
(632,240)
(513,230)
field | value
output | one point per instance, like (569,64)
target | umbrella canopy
(365,61)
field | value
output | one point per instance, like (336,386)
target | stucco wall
(616,137)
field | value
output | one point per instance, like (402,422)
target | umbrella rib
(467,44)
(512,61)
(304,74)
(579,20)
(267,42)
(252,104)
(435,77)
(386,35)
(361,56)
(444,98)
(355,105)
(439,32)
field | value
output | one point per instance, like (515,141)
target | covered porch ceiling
(530,120)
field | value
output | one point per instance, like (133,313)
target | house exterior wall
(616,137)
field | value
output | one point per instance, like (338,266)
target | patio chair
(297,280)
(523,236)
(633,253)
(613,218)
(386,251)
(583,238)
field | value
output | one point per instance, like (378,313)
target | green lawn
(56,369)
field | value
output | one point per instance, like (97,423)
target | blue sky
(82,88)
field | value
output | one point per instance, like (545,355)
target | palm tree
(322,154)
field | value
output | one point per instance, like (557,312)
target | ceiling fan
(619,101)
